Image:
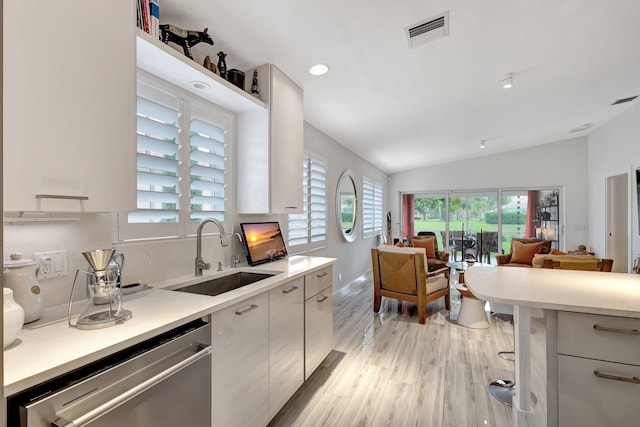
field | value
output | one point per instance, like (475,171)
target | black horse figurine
(185,38)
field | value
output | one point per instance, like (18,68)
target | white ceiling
(402,108)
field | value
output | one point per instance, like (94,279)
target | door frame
(630,173)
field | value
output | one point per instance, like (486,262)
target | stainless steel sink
(223,284)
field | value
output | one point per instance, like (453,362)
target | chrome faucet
(200,264)
(235,256)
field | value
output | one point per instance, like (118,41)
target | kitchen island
(592,320)
(49,347)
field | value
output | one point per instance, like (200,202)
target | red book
(146,18)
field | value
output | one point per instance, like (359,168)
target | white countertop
(49,347)
(614,294)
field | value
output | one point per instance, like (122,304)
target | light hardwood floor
(388,370)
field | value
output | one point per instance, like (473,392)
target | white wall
(155,260)
(354,258)
(614,148)
(561,164)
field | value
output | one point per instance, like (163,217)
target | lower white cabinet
(598,370)
(318,319)
(240,371)
(286,343)
(597,393)
(266,346)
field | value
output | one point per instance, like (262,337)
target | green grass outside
(474,226)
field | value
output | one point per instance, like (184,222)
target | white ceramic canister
(20,276)
(12,317)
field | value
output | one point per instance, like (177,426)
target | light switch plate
(51,264)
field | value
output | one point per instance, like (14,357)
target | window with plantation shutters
(182,162)
(311,225)
(371,208)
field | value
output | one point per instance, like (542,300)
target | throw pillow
(523,252)
(557,252)
(400,244)
(428,244)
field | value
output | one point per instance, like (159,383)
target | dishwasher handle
(204,351)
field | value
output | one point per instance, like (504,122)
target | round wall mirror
(347,205)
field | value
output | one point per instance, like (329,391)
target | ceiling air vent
(623,100)
(581,128)
(428,30)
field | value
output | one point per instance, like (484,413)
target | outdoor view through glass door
(479,225)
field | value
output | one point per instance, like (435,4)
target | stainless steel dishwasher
(164,381)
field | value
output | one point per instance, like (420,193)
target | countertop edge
(612,294)
(203,306)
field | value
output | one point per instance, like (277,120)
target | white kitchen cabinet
(318,318)
(598,370)
(240,364)
(286,343)
(69,106)
(270,148)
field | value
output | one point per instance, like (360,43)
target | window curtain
(407,215)
(532,210)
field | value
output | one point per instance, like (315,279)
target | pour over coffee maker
(104,302)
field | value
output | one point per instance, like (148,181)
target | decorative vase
(13,317)
(20,276)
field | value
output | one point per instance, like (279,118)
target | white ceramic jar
(12,317)
(20,276)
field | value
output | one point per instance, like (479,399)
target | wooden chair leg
(447,301)
(422,313)
(377,299)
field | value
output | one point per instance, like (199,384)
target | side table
(472,314)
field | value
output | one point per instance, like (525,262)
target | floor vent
(428,30)
(623,100)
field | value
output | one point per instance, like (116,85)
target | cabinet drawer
(587,400)
(316,281)
(599,337)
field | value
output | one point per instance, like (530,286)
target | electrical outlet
(51,264)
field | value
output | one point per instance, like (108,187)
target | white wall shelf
(167,63)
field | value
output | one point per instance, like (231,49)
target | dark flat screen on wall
(263,242)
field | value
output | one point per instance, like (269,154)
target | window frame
(184,227)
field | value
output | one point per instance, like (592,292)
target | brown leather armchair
(442,257)
(505,259)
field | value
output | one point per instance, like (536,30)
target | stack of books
(149,17)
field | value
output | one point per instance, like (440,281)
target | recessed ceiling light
(199,85)
(319,69)
(507,81)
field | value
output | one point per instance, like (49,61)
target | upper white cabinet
(270,148)
(69,106)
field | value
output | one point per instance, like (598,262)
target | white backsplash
(146,261)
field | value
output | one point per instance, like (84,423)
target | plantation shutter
(371,208)
(158,186)
(207,165)
(318,201)
(310,225)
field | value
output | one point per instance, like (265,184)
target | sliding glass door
(478,225)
